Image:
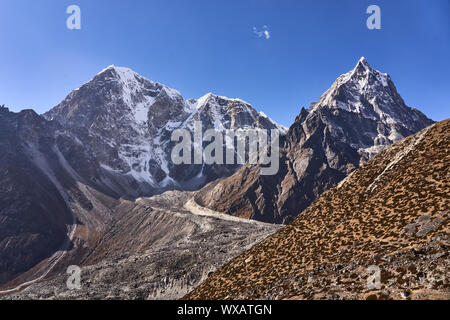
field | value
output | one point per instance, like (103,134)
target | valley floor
(157,248)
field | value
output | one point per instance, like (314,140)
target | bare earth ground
(157,248)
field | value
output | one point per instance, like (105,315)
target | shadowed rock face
(393,212)
(33,214)
(356,118)
(50,186)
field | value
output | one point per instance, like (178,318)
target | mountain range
(91,182)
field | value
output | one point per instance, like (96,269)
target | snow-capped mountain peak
(361,81)
(134,85)
(368,92)
(117,68)
(362,64)
(232,113)
(127,120)
(372,97)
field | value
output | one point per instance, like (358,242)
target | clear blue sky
(200,46)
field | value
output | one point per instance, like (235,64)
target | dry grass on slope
(392,212)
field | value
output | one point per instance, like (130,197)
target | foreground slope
(361,114)
(393,213)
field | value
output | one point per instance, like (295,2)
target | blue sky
(201,46)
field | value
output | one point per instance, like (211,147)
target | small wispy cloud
(265,32)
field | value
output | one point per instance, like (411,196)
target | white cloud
(265,32)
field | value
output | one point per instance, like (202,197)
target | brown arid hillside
(391,213)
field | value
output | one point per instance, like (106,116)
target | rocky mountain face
(29,231)
(126,122)
(389,217)
(356,118)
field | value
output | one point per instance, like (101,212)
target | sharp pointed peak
(363,60)
(362,64)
